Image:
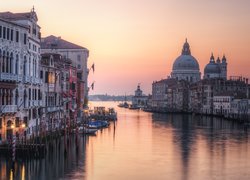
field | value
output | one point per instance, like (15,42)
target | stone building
(78,55)
(185,92)
(139,100)
(51,92)
(20,83)
(159,92)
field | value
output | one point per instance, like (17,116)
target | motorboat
(89,130)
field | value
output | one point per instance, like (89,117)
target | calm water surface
(143,146)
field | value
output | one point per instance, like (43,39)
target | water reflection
(143,145)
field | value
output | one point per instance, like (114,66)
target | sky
(134,42)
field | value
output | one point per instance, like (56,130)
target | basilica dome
(212,67)
(186,62)
(186,67)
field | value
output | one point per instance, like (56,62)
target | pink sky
(137,41)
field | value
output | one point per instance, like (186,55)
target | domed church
(186,67)
(216,69)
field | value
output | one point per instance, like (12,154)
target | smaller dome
(212,68)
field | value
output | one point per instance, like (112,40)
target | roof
(13,23)
(17,16)
(53,42)
(212,68)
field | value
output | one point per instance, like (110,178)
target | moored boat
(90,130)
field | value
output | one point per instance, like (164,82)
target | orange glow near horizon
(137,42)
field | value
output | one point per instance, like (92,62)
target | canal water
(141,146)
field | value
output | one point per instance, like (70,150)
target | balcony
(27,79)
(35,103)
(9,109)
(53,109)
(40,103)
(10,77)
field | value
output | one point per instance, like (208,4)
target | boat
(104,114)
(134,107)
(124,104)
(90,130)
(97,124)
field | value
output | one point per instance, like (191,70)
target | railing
(40,102)
(9,109)
(52,109)
(35,103)
(27,79)
(10,77)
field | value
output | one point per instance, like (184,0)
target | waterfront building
(78,55)
(185,92)
(216,69)
(186,67)
(222,103)
(159,92)
(20,83)
(51,92)
(139,100)
(70,90)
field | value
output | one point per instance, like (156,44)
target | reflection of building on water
(54,166)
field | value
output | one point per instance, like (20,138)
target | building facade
(20,83)
(139,100)
(79,57)
(186,92)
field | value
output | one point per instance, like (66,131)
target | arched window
(4,63)
(16,97)
(9,123)
(17,64)
(7,62)
(24,98)
(24,66)
(11,63)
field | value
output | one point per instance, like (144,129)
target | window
(25,38)
(46,77)
(17,122)
(11,34)
(17,36)
(79,57)
(0,123)
(8,33)
(79,66)
(41,74)
(0,31)
(73,86)
(4,32)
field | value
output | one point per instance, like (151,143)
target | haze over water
(142,145)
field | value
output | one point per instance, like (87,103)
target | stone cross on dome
(186,49)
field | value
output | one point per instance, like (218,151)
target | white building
(20,58)
(139,100)
(186,67)
(222,104)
